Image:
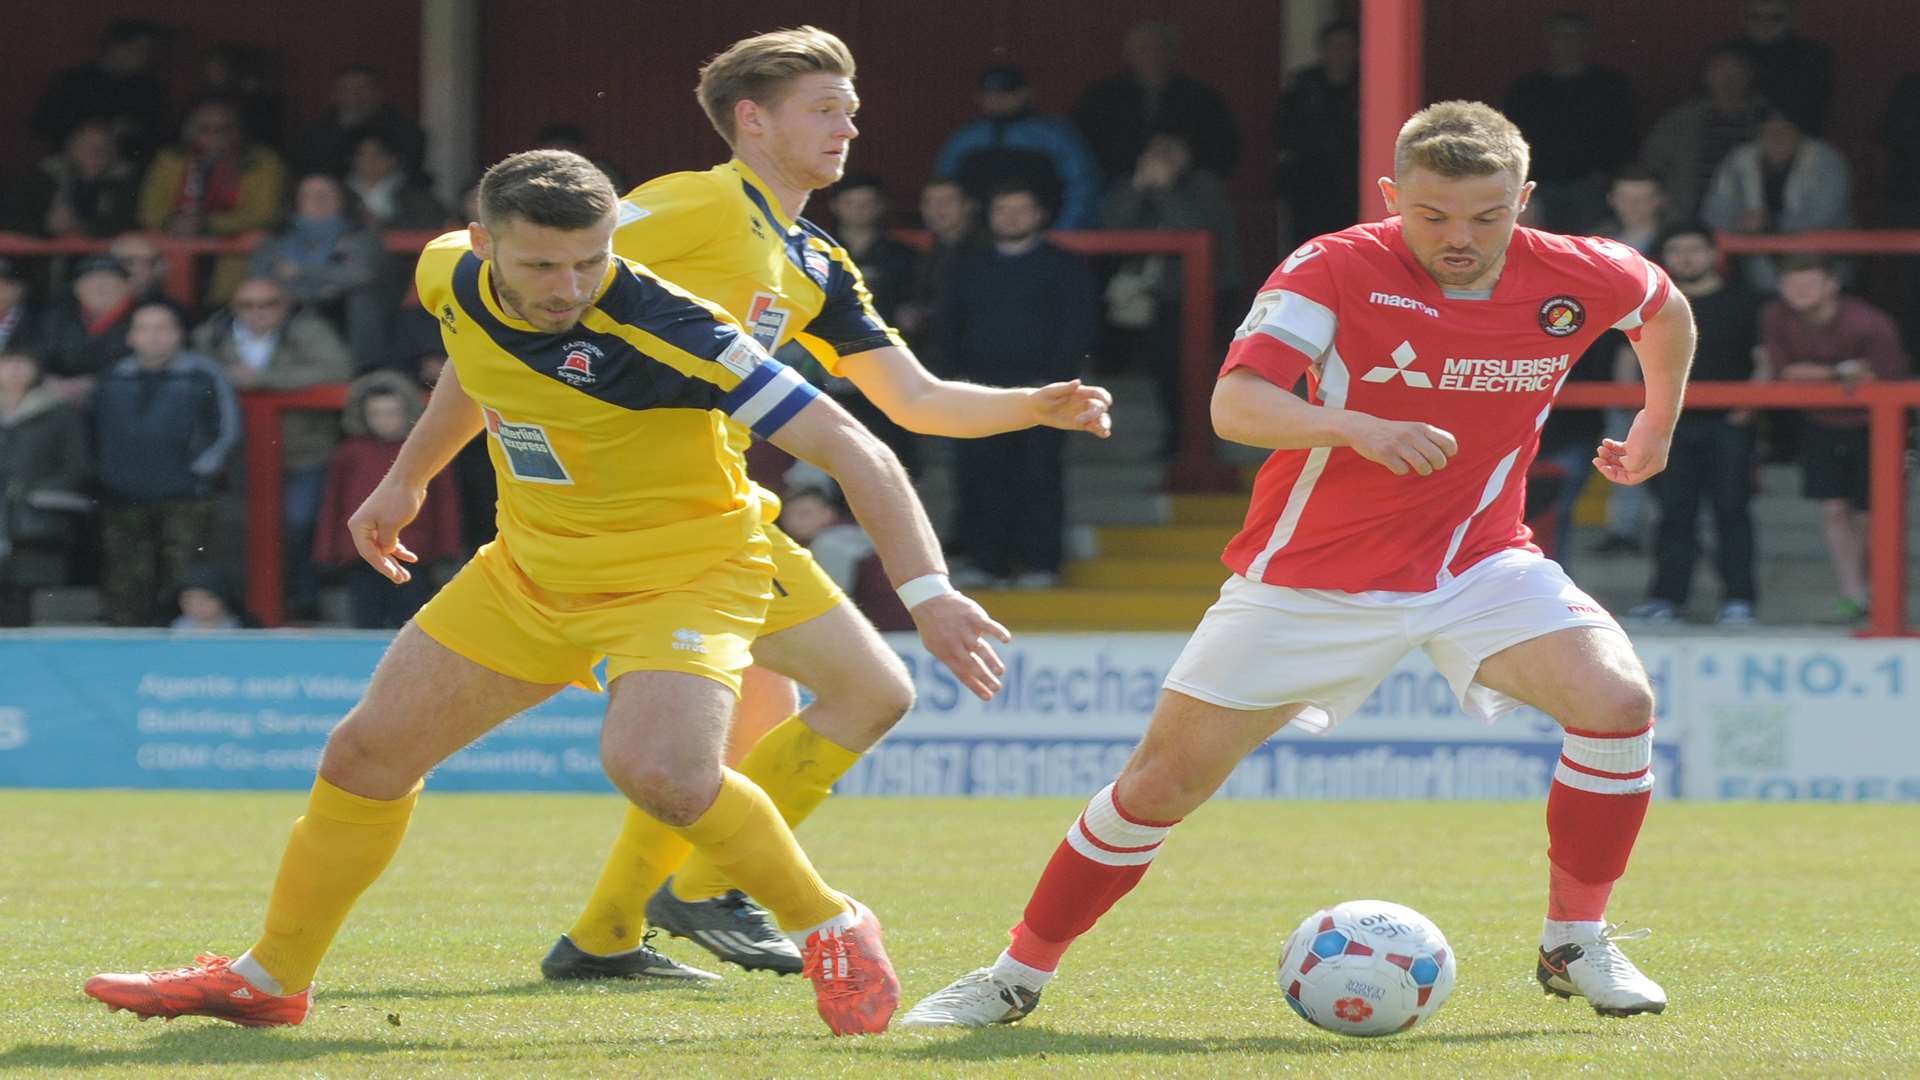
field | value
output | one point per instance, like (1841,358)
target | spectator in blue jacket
(165,421)
(1012,143)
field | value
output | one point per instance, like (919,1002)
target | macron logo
(1390,300)
(1402,357)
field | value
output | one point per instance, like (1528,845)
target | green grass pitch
(1784,935)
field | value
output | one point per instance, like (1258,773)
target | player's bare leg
(663,745)
(1591,681)
(1190,749)
(861,690)
(424,703)
(767,699)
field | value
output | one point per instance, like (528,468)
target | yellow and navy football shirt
(611,440)
(721,235)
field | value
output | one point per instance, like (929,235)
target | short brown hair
(757,69)
(557,189)
(1460,138)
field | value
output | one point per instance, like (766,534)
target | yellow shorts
(801,590)
(494,615)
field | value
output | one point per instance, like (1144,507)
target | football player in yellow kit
(628,530)
(785,103)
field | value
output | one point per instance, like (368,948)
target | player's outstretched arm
(1665,349)
(451,420)
(913,397)
(1250,410)
(952,626)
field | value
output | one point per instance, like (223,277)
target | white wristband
(924,588)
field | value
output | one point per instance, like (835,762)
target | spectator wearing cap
(262,342)
(215,183)
(118,86)
(86,190)
(165,421)
(359,108)
(1688,143)
(43,477)
(1011,142)
(89,334)
(1814,334)
(19,325)
(332,263)
(1578,118)
(1118,115)
(381,408)
(1783,182)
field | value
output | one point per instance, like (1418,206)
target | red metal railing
(1886,405)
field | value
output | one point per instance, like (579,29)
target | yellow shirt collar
(746,173)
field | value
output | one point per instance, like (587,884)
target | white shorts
(1261,646)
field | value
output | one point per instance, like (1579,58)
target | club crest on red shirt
(1562,316)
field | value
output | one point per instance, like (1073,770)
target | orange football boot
(208,988)
(853,981)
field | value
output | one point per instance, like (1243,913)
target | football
(1366,967)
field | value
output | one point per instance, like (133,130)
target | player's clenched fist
(955,630)
(1406,445)
(376,526)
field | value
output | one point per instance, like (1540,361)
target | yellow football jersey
(722,236)
(611,441)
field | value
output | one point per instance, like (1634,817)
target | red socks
(1104,856)
(1599,798)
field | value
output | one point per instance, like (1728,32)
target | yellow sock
(338,847)
(743,836)
(615,917)
(796,766)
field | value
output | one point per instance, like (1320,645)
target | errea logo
(690,641)
(1407,302)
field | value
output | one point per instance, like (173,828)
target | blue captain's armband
(770,393)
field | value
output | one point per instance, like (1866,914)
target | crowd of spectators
(118,429)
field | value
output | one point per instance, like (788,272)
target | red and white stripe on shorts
(1105,834)
(1607,764)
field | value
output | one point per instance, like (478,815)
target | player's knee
(862,711)
(1155,789)
(1624,705)
(673,796)
(356,760)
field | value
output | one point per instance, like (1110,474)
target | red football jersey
(1376,334)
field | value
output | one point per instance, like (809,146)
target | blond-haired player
(785,103)
(1389,518)
(628,531)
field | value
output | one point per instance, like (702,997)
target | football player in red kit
(1389,518)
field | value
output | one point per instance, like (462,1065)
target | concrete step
(1114,572)
(1166,541)
(1216,509)
(1097,609)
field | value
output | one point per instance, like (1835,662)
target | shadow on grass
(530,988)
(991,1044)
(200,1045)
